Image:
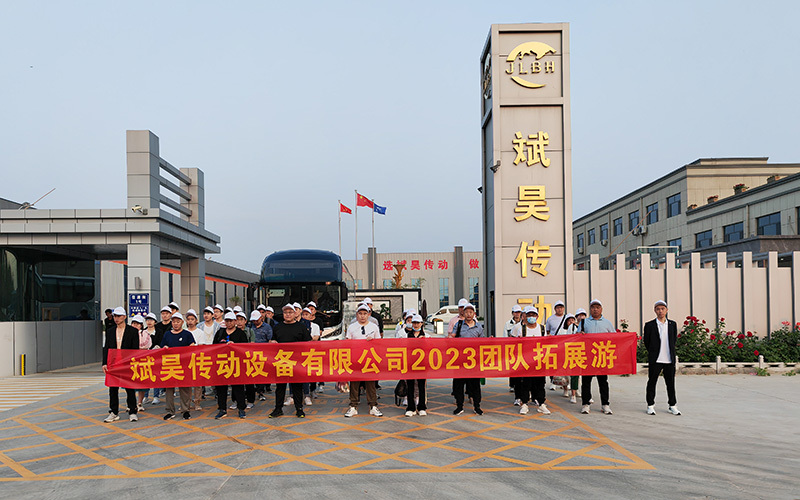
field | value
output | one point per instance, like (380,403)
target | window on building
(387,283)
(733,232)
(444,292)
(769,225)
(652,213)
(580,240)
(359,284)
(702,240)
(674,205)
(604,231)
(591,236)
(473,293)
(416,282)
(675,243)
(633,220)
(618,226)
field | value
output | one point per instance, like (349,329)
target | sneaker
(187,415)
(585,409)
(289,402)
(422,413)
(517,402)
(409,414)
(221,414)
(543,409)
(458,411)
(155,401)
(242,414)
(534,403)
(523,409)
(112,417)
(301,414)
(320,389)
(249,406)
(573,399)
(651,410)
(232,407)
(198,408)
(552,387)
(566,393)
(404,402)
(478,410)
(307,401)
(510,389)
(351,412)
(139,407)
(262,397)
(375,411)
(607,410)
(674,410)
(591,401)
(169,416)
(134,417)
(277,412)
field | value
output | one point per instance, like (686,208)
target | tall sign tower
(527,171)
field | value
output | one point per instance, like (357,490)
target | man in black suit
(120,336)
(660,336)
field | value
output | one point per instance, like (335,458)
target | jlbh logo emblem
(519,68)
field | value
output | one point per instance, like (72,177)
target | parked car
(444,314)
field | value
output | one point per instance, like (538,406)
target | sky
(289,107)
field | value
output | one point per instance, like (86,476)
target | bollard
(761,361)
(719,364)
(22,364)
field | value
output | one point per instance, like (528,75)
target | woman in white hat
(120,336)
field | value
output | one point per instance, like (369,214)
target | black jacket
(652,340)
(291,332)
(237,337)
(130,340)
(379,319)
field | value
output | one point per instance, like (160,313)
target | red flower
(679,335)
(704,322)
(719,342)
(722,319)
(712,337)
(755,352)
(689,317)
(741,335)
(749,334)
(685,323)
(739,345)
(728,333)
(730,347)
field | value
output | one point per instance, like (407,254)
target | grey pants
(186,397)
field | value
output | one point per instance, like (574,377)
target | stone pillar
(193,277)
(458,274)
(144,273)
(144,175)
(197,192)
(372,268)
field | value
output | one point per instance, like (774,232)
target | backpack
(400,391)
(458,327)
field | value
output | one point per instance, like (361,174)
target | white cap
(530,309)
(208,309)
(151,316)
(307,310)
(261,307)
(240,314)
(191,312)
(178,316)
(217,306)
(363,307)
(228,309)
(173,305)
(229,315)
(138,318)
(580,311)
(408,313)
(312,304)
(255,315)
(558,303)
(568,316)
(595,301)
(516,308)
(288,306)
(297,305)
(166,309)
(270,309)
(118,311)
(469,305)
(237,309)
(463,302)
(416,318)
(659,303)
(367,301)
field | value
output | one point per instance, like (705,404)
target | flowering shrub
(697,343)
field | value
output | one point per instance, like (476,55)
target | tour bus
(302,276)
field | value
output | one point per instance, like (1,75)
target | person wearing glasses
(363,329)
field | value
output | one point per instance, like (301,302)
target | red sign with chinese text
(385,359)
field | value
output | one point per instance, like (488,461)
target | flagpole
(373,223)
(356,249)
(340,227)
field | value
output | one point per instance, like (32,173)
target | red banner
(385,359)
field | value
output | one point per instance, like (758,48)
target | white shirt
(356,331)
(197,334)
(663,333)
(314,331)
(552,323)
(531,330)
(509,326)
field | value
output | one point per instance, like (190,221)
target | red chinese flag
(343,209)
(363,201)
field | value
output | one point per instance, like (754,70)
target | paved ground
(20,391)
(738,438)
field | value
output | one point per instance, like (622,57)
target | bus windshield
(327,297)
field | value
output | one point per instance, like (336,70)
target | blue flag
(379,209)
